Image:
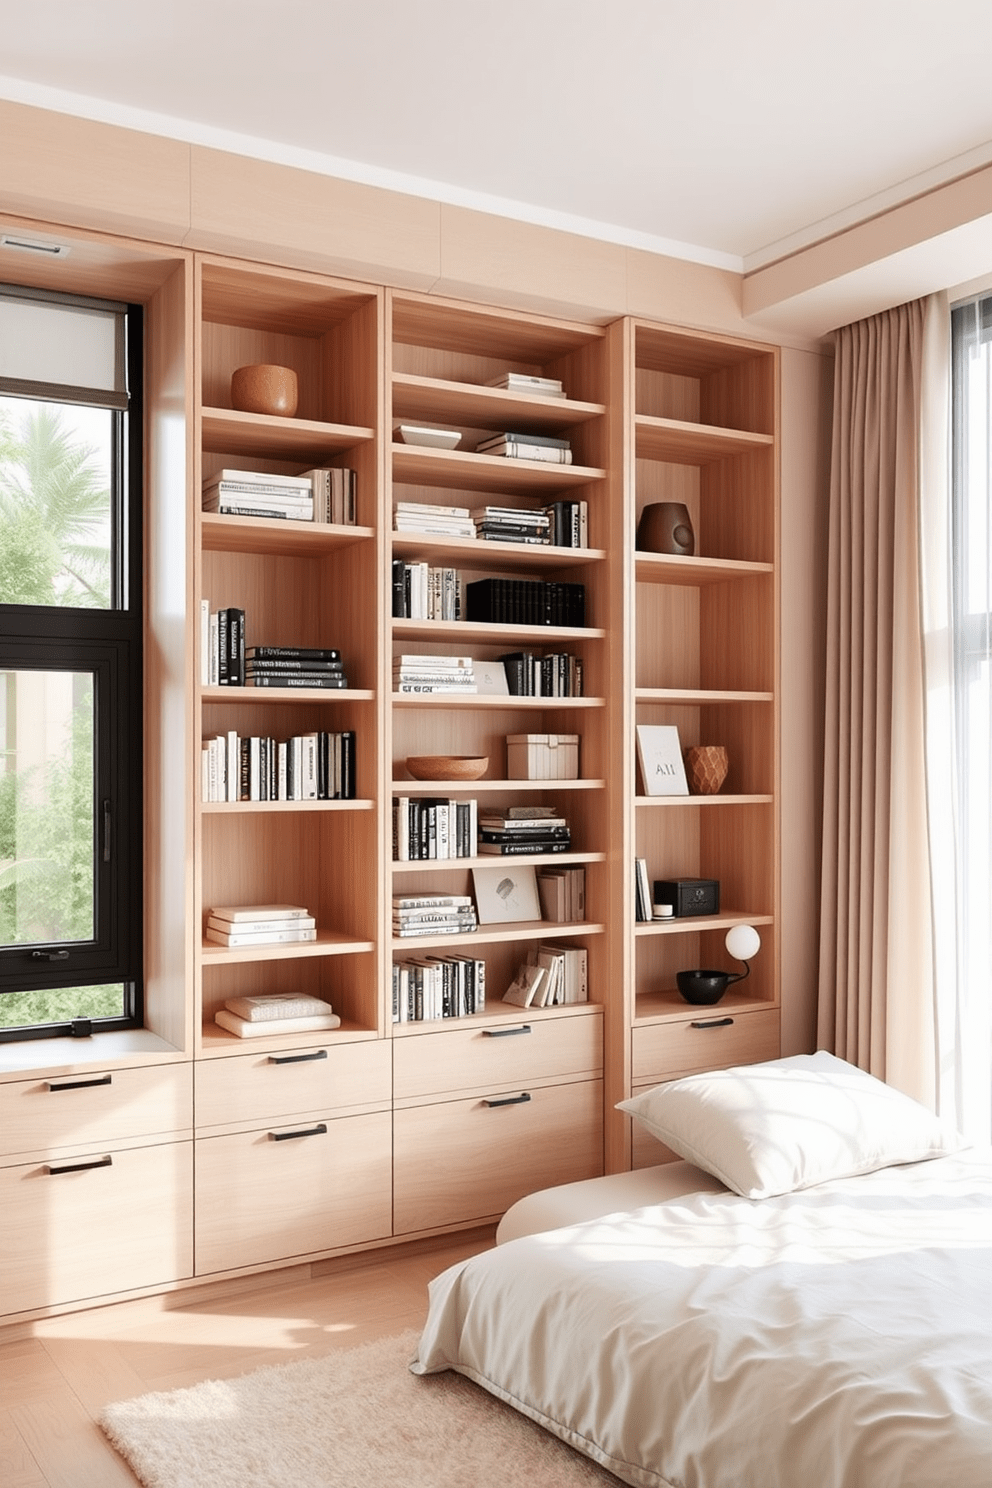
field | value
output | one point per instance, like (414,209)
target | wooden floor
(54,1383)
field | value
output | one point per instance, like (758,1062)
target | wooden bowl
(447,766)
(262,388)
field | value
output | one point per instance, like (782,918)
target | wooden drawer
(645,1150)
(86,1226)
(253,1088)
(497,1055)
(709,1040)
(465,1160)
(265,1195)
(94,1107)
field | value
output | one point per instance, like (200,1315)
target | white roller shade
(63,349)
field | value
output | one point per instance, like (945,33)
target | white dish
(435,438)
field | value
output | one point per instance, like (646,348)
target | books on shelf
(319,495)
(423,592)
(642,891)
(526,446)
(415,673)
(512,524)
(428,987)
(319,766)
(274,1007)
(558,674)
(335,490)
(446,521)
(569,523)
(527,983)
(433,827)
(433,914)
(527,382)
(239,913)
(260,926)
(245,1028)
(502,834)
(222,646)
(502,601)
(562,892)
(268,932)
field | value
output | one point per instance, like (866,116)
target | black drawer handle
(320,1130)
(83,1167)
(81,1084)
(505,1032)
(297,1058)
(713,1023)
(509,1100)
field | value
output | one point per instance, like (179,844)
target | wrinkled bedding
(837,1337)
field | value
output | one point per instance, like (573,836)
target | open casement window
(70,664)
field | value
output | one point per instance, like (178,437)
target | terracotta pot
(706,766)
(262,388)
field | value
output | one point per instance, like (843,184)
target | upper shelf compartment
(687,380)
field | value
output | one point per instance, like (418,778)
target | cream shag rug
(354,1418)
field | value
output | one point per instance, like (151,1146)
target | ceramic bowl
(447,766)
(703,988)
(432,438)
(262,388)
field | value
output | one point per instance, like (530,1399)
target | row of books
(548,448)
(275,1013)
(502,601)
(433,914)
(438,987)
(563,524)
(325,494)
(523,830)
(562,892)
(423,592)
(557,674)
(260,924)
(415,673)
(227,661)
(551,976)
(433,827)
(316,766)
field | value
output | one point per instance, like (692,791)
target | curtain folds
(876,976)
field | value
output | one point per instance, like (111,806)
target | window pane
(47,822)
(55,504)
(62,1005)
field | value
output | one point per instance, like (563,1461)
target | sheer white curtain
(956,595)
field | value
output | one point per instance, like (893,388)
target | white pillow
(766,1129)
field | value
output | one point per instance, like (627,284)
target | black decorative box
(688,896)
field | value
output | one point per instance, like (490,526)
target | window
(70,664)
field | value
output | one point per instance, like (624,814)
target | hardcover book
(506,893)
(659,755)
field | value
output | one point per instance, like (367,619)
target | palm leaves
(54,511)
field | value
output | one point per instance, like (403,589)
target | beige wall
(57,171)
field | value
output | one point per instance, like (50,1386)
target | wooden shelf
(276,535)
(326,944)
(487,631)
(479,553)
(693,696)
(488,860)
(702,801)
(463,470)
(493,702)
(667,1005)
(227,431)
(693,924)
(437,400)
(664,568)
(264,808)
(288,695)
(680,443)
(493,934)
(484,787)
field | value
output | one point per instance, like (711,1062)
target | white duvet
(840,1337)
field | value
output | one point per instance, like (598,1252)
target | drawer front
(106,1224)
(67,1111)
(541,1046)
(466,1160)
(250,1088)
(269,1194)
(710,1040)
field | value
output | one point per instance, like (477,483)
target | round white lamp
(704,987)
(743,943)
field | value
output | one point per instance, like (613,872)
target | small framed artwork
(490,677)
(505,893)
(659,755)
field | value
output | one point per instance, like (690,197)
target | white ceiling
(725,131)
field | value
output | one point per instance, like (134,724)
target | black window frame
(107,643)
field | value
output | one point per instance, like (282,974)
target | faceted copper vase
(706,767)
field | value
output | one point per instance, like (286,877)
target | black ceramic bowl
(703,988)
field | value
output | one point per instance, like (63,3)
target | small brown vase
(706,766)
(665,527)
(262,388)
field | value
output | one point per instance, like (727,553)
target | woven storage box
(542,756)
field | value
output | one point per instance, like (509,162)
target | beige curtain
(876,945)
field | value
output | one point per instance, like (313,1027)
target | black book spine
(222,653)
(348,765)
(399,589)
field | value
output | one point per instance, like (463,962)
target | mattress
(592,1198)
(839,1336)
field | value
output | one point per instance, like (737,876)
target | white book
(236,937)
(260,926)
(245,1028)
(239,912)
(659,755)
(525,986)
(233,765)
(273,1007)
(254,477)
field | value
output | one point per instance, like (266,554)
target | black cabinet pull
(509,1100)
(82,1167)
(505,1032)
(297,1058)
(81,1084)
(714,1023)
(319,1130)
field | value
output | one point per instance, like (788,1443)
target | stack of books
(547,447)
(438,987)
(569,523)
(255,493)
(222,646)
(562,892)
(558,674)
(294,666)
(236,925)
(527,382)
(421,592)
(433,827)
(444,521)
(434,674)
(433,914)
(307,767)
(334,495)
(525,602)
(275,1013)
(511,524)
(523,829)
(551,975)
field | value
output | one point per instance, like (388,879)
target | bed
(804,1301)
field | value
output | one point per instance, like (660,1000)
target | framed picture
(490,677)
(659,755)
(506,892)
